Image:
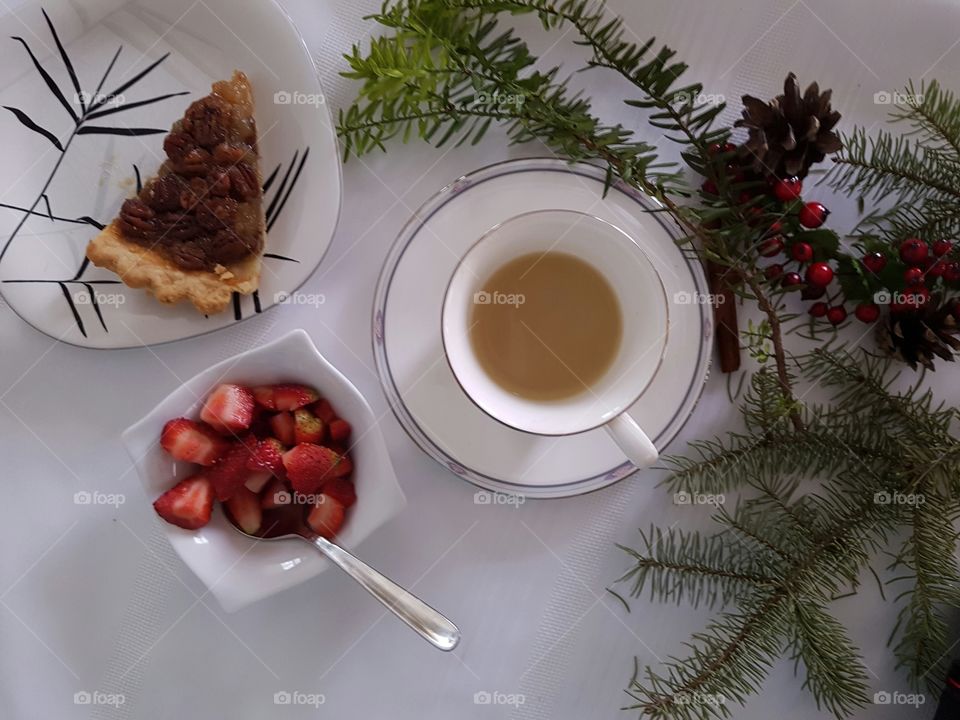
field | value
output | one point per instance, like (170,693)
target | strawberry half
(244,508)
(283,426)
(229,409)
(309,466)
(230,472)
(275,494)
(187,504)
(326,517)
(284,397)
(188,440)
(267,456)
(342,490)
(340,430)
(324,410)
(307,427)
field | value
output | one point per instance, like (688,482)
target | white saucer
(408,349)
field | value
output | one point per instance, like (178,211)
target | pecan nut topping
(195,162)
(177,144)
(138,219)
(195,211)
(163,194)
(216,213)
(227,154)
(243,182)
(206,120)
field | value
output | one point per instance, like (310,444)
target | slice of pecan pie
(196,231)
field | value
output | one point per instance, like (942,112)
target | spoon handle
(431,625)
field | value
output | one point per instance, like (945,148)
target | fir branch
(916,171)
(928,558)
(732,656)
(676,566)
(834,668)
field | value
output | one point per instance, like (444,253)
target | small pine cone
(790,133)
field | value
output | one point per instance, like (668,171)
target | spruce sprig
(915,172)
(878,473)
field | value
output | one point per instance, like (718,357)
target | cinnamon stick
(725,316)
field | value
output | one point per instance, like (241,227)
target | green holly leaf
(825,243)
(854,281)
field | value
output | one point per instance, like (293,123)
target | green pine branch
(915,171)
(811,547)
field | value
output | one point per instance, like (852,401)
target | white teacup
(644,309)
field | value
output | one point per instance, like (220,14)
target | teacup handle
(632,440)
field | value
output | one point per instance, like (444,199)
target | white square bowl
(238,570)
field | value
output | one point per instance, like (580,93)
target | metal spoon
(289,522)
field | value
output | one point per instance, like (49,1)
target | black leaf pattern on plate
(66,61)
(27,122)
(80,127)
(132,132)
(131,106)
(51,84)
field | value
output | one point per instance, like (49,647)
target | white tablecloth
(93,599)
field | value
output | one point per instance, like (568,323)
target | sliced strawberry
(284,397)
(307,427)
(275,494)
(291,397)
(230,472)
(340,430)
(282,425)
(187,504)
(263,396)
(324,410)
(229,409)
(342,490)
(309,466)
(244,508)
(267,455)
(326,517)
(256,482)
(190,441)
(343,467)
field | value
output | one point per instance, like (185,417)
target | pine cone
(790,133)
(917,336)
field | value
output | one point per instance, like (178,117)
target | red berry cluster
(923,265)
(811,262)
(813,276)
